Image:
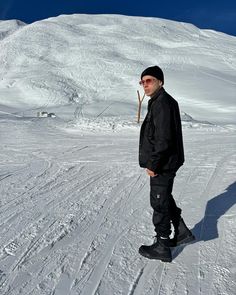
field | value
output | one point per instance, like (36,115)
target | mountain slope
(92,59)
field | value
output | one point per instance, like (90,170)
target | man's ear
(160,83)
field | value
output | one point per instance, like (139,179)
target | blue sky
(217,15)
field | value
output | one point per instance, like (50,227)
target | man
(161,153)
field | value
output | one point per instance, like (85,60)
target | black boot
(156,251)
(182,234)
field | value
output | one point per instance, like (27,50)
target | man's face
(150,85)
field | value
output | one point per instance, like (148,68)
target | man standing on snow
(161,153)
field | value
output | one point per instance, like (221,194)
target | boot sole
(186,240)
(155,258)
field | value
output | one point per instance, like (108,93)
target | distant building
(42,114)
(51,115)
(45,115)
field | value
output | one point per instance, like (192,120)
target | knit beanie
(154,71)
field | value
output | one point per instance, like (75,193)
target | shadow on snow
(206,229)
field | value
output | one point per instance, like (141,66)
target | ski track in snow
(75,209)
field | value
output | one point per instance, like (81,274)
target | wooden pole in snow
(140,100)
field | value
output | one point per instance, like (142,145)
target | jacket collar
(155,97)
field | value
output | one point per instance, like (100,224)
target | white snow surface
(74,206)
(75,209)
(97,59)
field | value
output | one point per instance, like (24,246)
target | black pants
(163,203)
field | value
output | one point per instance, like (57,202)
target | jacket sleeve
(161,137)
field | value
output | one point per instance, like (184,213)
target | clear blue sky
(207,14)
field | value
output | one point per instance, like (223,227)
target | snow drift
(97,59)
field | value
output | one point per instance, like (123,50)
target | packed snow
(74,205)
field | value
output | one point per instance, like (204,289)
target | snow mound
(117,124)
(94,59)
(8,27)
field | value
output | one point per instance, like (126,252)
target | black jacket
(161,143)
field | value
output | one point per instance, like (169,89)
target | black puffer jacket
(161,143)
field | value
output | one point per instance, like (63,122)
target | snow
(74,205)
(95,59)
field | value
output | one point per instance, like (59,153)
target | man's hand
(151,173)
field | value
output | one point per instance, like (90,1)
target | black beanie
(154,71)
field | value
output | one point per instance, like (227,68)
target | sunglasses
(147,81)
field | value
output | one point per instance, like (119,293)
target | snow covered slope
(74,210)
(8,27)
(74,204)
(96,60)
